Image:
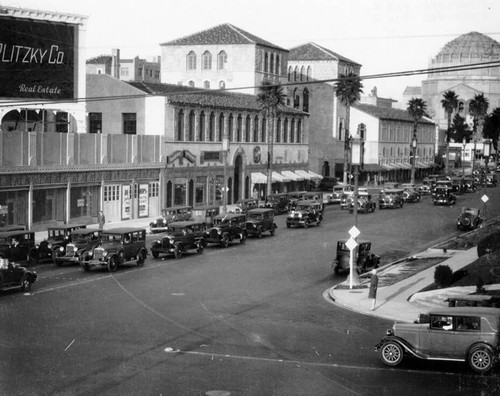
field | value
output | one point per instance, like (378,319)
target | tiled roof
(99,60)
(413,91)
(182,95)
(388,113)
(314,52)
(222,34)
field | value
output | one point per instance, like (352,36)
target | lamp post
(225,149)
(356,162)
(486,156)
(464,141)
(413,153)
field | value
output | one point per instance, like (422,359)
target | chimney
(115,63)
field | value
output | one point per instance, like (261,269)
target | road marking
(71,343)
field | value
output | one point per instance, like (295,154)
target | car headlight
(49,246)
(61,249)
(171,241)
(219,232)
(91,253)
(389,332)
(75,249)
(155,222)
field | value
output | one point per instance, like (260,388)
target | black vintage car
(14,276)
(205,214)
(278,202)
(227,228)
(470,186)
(365,204)
(170,215)
(259,221)
(18,246)
(469,219)
(57,237)
(82,241)
(306,213)
(411,193)
(244,205)
(180,237)
(118,246)
(458,185)
(443,196)
(364,260)
(391,198)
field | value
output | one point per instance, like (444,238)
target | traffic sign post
(352,245)
(485,199)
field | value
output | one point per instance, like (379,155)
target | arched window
(239,126)
(278,66)
(221,60)
(263,137)
(201,127)
(265,62)
(278,130)
(271,64)
(256,129)
(180,125)
(221,127)
(222,85)
(305,100)
(289,73)
(309,73)
(191,126)
(292,131)
(295,72)
(230,127)
(302,73)
(207,60)
(461,107)
(191,61)
(247,129)
(296,99)
(211,127)
(191,83)
(299,131)
(206,84)
(285,131)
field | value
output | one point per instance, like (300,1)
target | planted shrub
(489,244)
(443,276)
(457,275)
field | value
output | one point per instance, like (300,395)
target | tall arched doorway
(238,165)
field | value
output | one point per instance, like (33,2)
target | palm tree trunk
(270,147)
(346,146)
(447,168)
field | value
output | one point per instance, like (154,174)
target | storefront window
(48,205)
(200,190)
(179,191)
(219,184)
(83,204)
(13,206)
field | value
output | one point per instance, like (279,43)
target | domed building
(468,49)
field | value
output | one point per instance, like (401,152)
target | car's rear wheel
(113,264)
(243,238)
(480,359)
(155,254)
(86,267)
(178,251)
(391,353)
(224,241)
(199,248)
(32,256)
(26,283)
(259,233)
(273,230)
(141,258)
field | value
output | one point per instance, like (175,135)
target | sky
(382,35)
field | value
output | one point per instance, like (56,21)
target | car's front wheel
(243,238)
(224,241)
(199,248)
(480,359)
(259,233)
(178,251)
(391,353)
(26,283)
(141,258)
(113,264)
(155,254)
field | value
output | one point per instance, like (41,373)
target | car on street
(365,204)
(226,229)
(260,220)
(244,205)
(443,196)
(391,198)
(470,186)
(469,219)
(364,259)
(346,199)
(411,193)
(57,236)
(336,196)
(467,334)
(169,215)
(14,276)
(205,214)
(180,237)
(278,202)
(82,241)
(491,180)
(306,213)
(424,189)
(458,186)
(18,245)
(295,196)
(118,246)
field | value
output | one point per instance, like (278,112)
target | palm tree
(348,89)
(449,103)
(478,108)
(416,109)
(269,98)
(492,128)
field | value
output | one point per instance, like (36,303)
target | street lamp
(464,142)
(486,153)
(356,162)
(413,153)
(225,149)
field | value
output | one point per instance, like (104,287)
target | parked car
(57,236)
(468,334)
(338,190)
(424,189)
(205,214)
(458,185)
(14,276)
(364,260)
(278,202)
(391,198)
(169,215)
(365,204)
(346,200)
(118,246)
(305,214)
(443,196)
(180,237)
(410,193)
(491,180)
(82,241)
(227,228)
(18,245)
(259,221)
(295,196)
(244,205)
(469,219)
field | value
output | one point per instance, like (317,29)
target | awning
(277,178)
(259,178)
(406,165)
(291,175)
(315,175)
(372,168)
(420,165)
(388,167)
(304,174)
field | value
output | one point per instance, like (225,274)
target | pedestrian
(373,288)
(101,219)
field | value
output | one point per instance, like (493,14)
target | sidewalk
(393,302)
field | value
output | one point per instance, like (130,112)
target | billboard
(37,59)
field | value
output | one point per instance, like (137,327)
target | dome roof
(472,43)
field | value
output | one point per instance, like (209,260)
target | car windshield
(112,238)
(57,233)
(82,238)
(255,216)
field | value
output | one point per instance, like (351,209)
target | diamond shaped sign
(351,244)
(354,232)
(484,198)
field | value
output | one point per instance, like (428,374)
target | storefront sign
(37,59)
(143,200)
(126,204)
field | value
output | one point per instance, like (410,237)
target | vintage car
(295,196)
(18,246)
(491,180)
(458,185)
(469,219)
(169,215)
(259,221)
(205,214)
(440,184)
(227,228)
(443,196)
(278,202)
(410,193)
(346,200)
(82,241)
(363,260)
(180,237)
(58,236)
(391,198)
(118,246)
(424,189)
(305,214)
(467,334)
(470,186)
(14,276)
(365,204)
(244,205)
(338,191)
